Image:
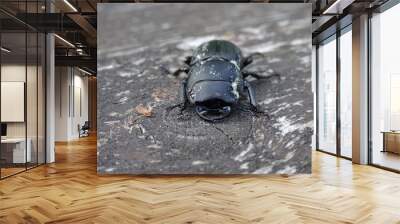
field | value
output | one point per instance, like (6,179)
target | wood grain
(135,72)
(70,191)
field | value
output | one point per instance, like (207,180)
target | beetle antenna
(254,111)
(249,59)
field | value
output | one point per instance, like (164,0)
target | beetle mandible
(216,80)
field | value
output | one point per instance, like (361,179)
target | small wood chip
(144,110)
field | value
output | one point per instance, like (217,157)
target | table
(16,147)
(391,141)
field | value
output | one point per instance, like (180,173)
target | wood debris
(146,111)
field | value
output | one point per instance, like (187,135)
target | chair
(84,130)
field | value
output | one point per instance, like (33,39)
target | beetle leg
(182,95)
(184,69)
(257,76)
(252,96)
(182,98)
(188,59)
(249,59)
(180,70)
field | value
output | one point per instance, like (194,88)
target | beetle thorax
(214,80)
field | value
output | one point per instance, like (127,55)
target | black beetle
(216,79)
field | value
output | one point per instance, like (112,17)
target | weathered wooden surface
(138,41)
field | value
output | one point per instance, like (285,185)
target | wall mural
(204,88)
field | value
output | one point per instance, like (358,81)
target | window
(346,93)
(327,96)
(22,88)
(329,112)
(385,89)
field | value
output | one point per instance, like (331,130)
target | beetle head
(213,99)
(213,110)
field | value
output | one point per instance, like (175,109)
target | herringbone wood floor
(70,191)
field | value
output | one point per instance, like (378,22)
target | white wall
(62,82)
(79,117)
(70,83)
